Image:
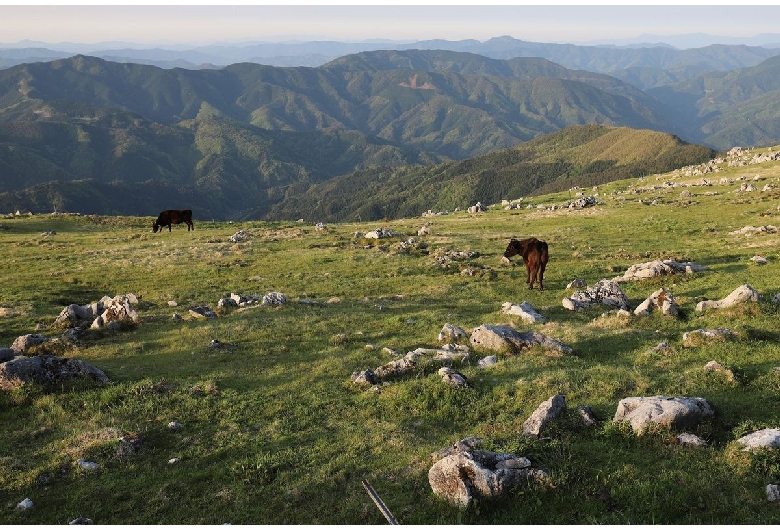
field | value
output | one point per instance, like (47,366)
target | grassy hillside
(587,155)
(273,431)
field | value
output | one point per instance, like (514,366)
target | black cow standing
(173,217)
(535,256)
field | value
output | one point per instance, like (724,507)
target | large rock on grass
(48,370)
(505,338)
(743,293)
(647,413)
(466,473)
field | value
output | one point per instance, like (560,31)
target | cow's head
(513,249)
(155,226)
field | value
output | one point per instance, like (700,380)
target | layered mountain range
(257,141)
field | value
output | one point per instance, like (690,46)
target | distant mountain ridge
(597,58)
(249,140)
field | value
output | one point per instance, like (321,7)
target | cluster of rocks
(107,312)
(753,230)
(477,208)
(379,233)
(201,312)
(499,338)
(736,157)
(462,472)
(240,236)
(431,213)
(446,258)
(608,292)
(512,205)
(238,300)
(657,268)
(425,230)
(582,202)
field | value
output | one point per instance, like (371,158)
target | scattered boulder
(130,445)
(6,354)
(48,370)
(467,472)
(274,299)
(687,438)
(661,300)
(714,366)
(582,202)
(544,414)
(452,333)
(451,377)
(226,303)
(202,312)
(503,337)
(656,268)
(26,504)
(476,208)
(118,309)
(587,415)
(380,233)
(743,293)
(702,336)
(645,413)
(759,260)
(239,237)
(525,311)
(605,292)
(772,493)
(753,230)
(398,366)
(763,439)
(25,342)
(424,230)
(365,377)
(577,283)
(490,360)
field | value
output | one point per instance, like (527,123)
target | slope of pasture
(273,430)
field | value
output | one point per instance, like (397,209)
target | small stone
(26,504)
(89,466)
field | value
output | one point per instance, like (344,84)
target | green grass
(273,430)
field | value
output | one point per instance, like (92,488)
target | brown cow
(173,217)
(535,257)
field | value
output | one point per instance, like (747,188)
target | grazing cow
(173,217)
(535,256)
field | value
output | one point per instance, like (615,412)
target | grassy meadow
(273,431)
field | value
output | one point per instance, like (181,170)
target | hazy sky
(200,24)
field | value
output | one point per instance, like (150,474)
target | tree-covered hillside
(576,156)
